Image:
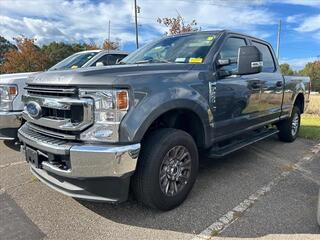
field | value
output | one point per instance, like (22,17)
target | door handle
(255,85)
(279,84)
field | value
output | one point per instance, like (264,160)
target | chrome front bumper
(86,160)
(9,123)
(96,172)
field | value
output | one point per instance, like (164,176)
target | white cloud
(294,18)
(297,63)
(84,20)
(310,3)
(310,24)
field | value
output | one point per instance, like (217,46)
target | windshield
(189,48)
(75,61)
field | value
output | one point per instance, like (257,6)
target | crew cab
(93,133)
(12,86)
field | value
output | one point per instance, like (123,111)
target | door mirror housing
(249,60)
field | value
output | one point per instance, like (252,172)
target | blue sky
(87,21)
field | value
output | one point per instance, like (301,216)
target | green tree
(57,51)
(286,69)
(77,47)
(5,46)
(312,69)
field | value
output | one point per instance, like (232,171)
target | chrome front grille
(62,113)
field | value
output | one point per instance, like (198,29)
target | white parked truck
(12,86)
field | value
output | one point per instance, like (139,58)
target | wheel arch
(299,102)
(182,114)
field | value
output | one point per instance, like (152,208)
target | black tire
(285,127)
(156,150)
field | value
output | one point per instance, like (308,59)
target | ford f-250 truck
(93,133)
(12,86)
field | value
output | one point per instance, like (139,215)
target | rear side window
(268,62)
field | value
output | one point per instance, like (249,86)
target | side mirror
(249,60)
(99,64)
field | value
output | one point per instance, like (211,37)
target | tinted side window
(109,59)
(268,62)
(230,51)
(231,47)
(120,57)
(103,59)
(114,58)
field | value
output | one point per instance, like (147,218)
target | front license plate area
(32,157)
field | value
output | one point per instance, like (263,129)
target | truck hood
(109,75)
(15,78)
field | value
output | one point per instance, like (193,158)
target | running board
(216,152)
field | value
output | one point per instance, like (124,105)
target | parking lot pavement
(285,207)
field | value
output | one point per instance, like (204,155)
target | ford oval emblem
(34,109)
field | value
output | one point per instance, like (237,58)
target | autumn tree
(286,69)
(5,46)
(176,25)
(28,57)
(312,70)
(111,45)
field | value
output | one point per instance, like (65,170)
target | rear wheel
(289,128)
(167,169)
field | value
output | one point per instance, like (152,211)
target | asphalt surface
(31,210)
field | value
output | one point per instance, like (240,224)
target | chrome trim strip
(51,168)
(46,89)
(57,103)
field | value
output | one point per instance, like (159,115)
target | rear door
(272,84)
(236,98)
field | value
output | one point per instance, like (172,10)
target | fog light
(103,133)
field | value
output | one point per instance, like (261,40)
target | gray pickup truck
(12,86)
(96,133)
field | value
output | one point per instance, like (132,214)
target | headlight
(110,107)
(7,95)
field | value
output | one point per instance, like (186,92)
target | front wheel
(289,128)
(167,169)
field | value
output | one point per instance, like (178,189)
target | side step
(217,152)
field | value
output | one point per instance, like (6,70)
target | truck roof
(223,31)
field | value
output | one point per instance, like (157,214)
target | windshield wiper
(153,61)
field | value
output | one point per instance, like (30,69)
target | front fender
(139,119)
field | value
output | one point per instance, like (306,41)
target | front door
(235,103)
